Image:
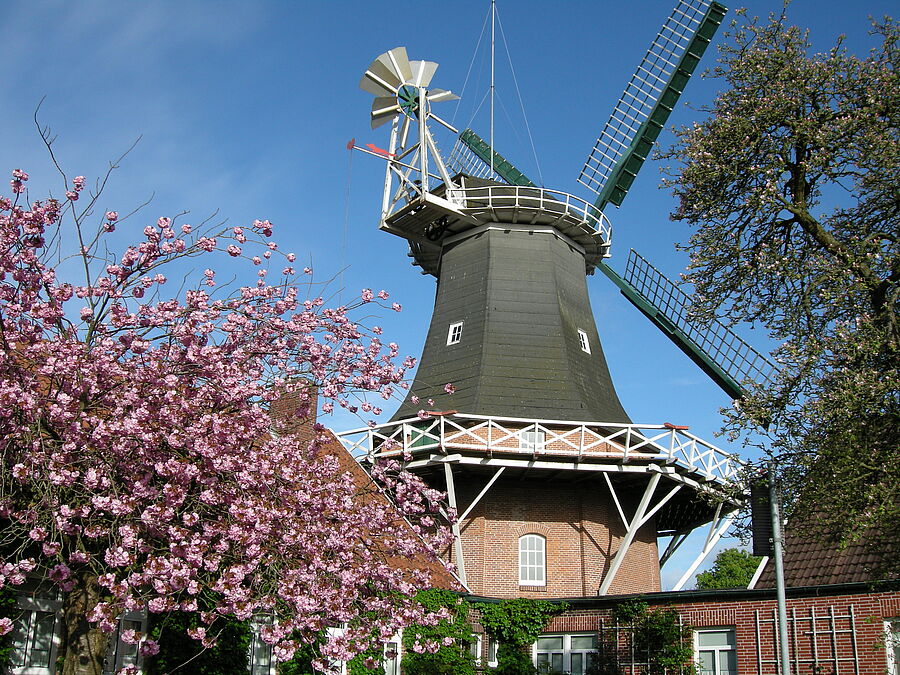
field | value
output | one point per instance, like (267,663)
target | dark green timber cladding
(522,297)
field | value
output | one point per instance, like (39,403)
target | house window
(475,648)
(550,651)
(492,653)
(392,658)
(260,652)
(121,653)
(32,640)
(454,334)
(532,560)
(585,343)
(892,645)
(565,653)
(715,651)
(531,439)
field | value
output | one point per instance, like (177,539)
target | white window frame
(717,651)
(391,664)
(532,439)
(121,653)
(46,601)
(567,651)
(892,645)
(539,551)
(261,657)
(454,333)
(475,647)
(585,342)
(493,646)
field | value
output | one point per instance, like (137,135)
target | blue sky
(245,109)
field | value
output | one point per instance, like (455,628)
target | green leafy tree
(453,636)
(733,568)
(791,187)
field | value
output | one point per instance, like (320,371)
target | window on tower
(532,439)
(454,334)
(585,343)
(532,560)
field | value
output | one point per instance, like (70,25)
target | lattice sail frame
(649,97)
(726,349)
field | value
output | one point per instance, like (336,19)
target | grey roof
(522,298)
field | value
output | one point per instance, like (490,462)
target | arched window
(532,560)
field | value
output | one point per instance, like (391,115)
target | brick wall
(831,629)
(582,528)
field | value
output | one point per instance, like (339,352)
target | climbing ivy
(516,624)
(453,634)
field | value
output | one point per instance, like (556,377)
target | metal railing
(546,439)
(534,206)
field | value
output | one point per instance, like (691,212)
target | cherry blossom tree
(141,464)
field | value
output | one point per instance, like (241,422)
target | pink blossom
(233,250)
(449,388)
(72,195)
(158,466)
(6,625)
(367,295)
(149,647)
(396,306)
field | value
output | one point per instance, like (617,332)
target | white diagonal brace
(457,541)
(677,540)
(615,497)
(633,528)
(712,539)
(482,493)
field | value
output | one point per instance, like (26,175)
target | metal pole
(775,501)
(493,22)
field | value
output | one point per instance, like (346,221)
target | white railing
(534,205)
(546,439)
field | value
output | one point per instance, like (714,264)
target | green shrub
(229,656)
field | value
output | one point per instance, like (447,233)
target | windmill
(536,426)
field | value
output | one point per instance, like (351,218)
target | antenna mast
(493,24)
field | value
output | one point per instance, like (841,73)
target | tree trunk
(84,645)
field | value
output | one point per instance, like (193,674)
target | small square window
(532,439)
(583,339)
(454,334)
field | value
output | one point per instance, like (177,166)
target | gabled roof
(814,560)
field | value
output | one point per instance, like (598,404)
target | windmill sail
(723,355)
(472,155)
(644,107)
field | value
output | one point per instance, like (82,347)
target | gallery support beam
(457,541)
(717,528)
(641,517)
